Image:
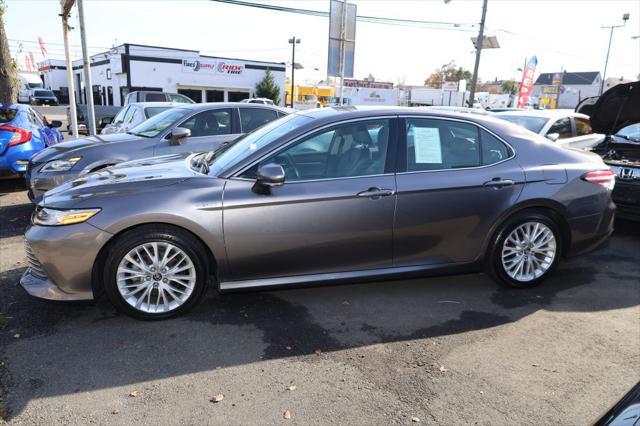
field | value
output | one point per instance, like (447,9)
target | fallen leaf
(114,412)
(16,336)
(292,387)
(443,369)
(415,419)
(535,365)
(288,348)
(219,397)
(286,415)
(134,393)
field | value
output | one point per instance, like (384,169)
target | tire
(539,258)
(154,285)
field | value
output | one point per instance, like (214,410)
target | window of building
(237,96)
(195,95)
(215,95)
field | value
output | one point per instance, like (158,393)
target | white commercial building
(130,67)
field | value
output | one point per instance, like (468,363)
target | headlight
(60,165)
(51,217)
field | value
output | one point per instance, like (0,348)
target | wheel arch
(99,262)
(551,208)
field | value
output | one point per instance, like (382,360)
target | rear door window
(252,118)
(156,97)
(209,123)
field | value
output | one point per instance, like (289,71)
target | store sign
(368,84)
(197,66)
(225,68)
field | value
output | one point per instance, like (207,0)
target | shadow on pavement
(12,184)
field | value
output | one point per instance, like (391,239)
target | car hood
(63,149)
(617,108)
(132,177)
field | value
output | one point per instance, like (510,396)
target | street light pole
(625,18)
(73,115)
(474,78)
(88,87)
(293,41)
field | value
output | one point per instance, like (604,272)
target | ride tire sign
(211,67)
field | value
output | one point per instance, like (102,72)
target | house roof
(587,78)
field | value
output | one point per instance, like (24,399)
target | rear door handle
(376,193)
(498,183)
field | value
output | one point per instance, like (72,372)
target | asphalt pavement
(449,350)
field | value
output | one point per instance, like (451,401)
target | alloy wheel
(528,251)
(156,277)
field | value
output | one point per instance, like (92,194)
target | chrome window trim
(293,141)
(465,122)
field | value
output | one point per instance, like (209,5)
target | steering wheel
(291,164)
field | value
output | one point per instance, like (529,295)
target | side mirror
(553,136)
(54,124)
(179,136)
(268,176)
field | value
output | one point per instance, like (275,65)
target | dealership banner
(211,67)
(527,82)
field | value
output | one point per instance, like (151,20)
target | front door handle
(375,193)
(498,183)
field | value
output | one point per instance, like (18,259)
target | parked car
(189,128)
(23,132)
(465,110)
(617,114)
(42,97)
(151,96)
(133,114)
(27,82)
(264,101)
(565,127)
(104,114)
(324,196)
(625,412)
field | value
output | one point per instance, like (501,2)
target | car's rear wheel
(155,272)
(526,250)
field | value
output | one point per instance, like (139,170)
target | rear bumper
(626,195)
(592,231)
(15,159)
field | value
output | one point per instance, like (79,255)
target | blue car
(23,132)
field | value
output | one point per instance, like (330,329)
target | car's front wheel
(526,250)
(155,272)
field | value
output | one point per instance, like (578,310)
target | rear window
(7,115)
(151,111)
(155,97)
(47,93)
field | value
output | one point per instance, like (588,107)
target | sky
(563,34)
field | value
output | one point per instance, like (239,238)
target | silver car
(134,114)
(324,196)
(188,128)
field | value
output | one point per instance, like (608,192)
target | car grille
(34,263)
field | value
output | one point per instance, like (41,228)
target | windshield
(535,124)
(34,85)
(47,93)
(630,133)
(256,140)
(152,111)
(158,123)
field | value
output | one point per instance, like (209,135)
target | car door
(209,129)
(455,180)
(584,136)
(334,212)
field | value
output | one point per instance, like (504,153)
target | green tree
(447,72)
(8,67)
(511,87)
(267,88)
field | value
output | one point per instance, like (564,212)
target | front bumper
(61,260)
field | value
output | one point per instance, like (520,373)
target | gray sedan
(188,128)
(325,196)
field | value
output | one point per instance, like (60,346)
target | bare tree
(8,67)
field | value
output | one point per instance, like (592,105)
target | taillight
(606,178)
(19,135)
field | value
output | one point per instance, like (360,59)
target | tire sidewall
(134,238)
(495,258)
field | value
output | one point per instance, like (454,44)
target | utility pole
(293,41)
(73,125)
(625,18)
(343,38)
(474,78)
(88,87)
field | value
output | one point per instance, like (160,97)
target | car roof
(156,104)
(210,105)
(543,113)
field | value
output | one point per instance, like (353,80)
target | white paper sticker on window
(427,147)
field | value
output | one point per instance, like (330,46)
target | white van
(28,82)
